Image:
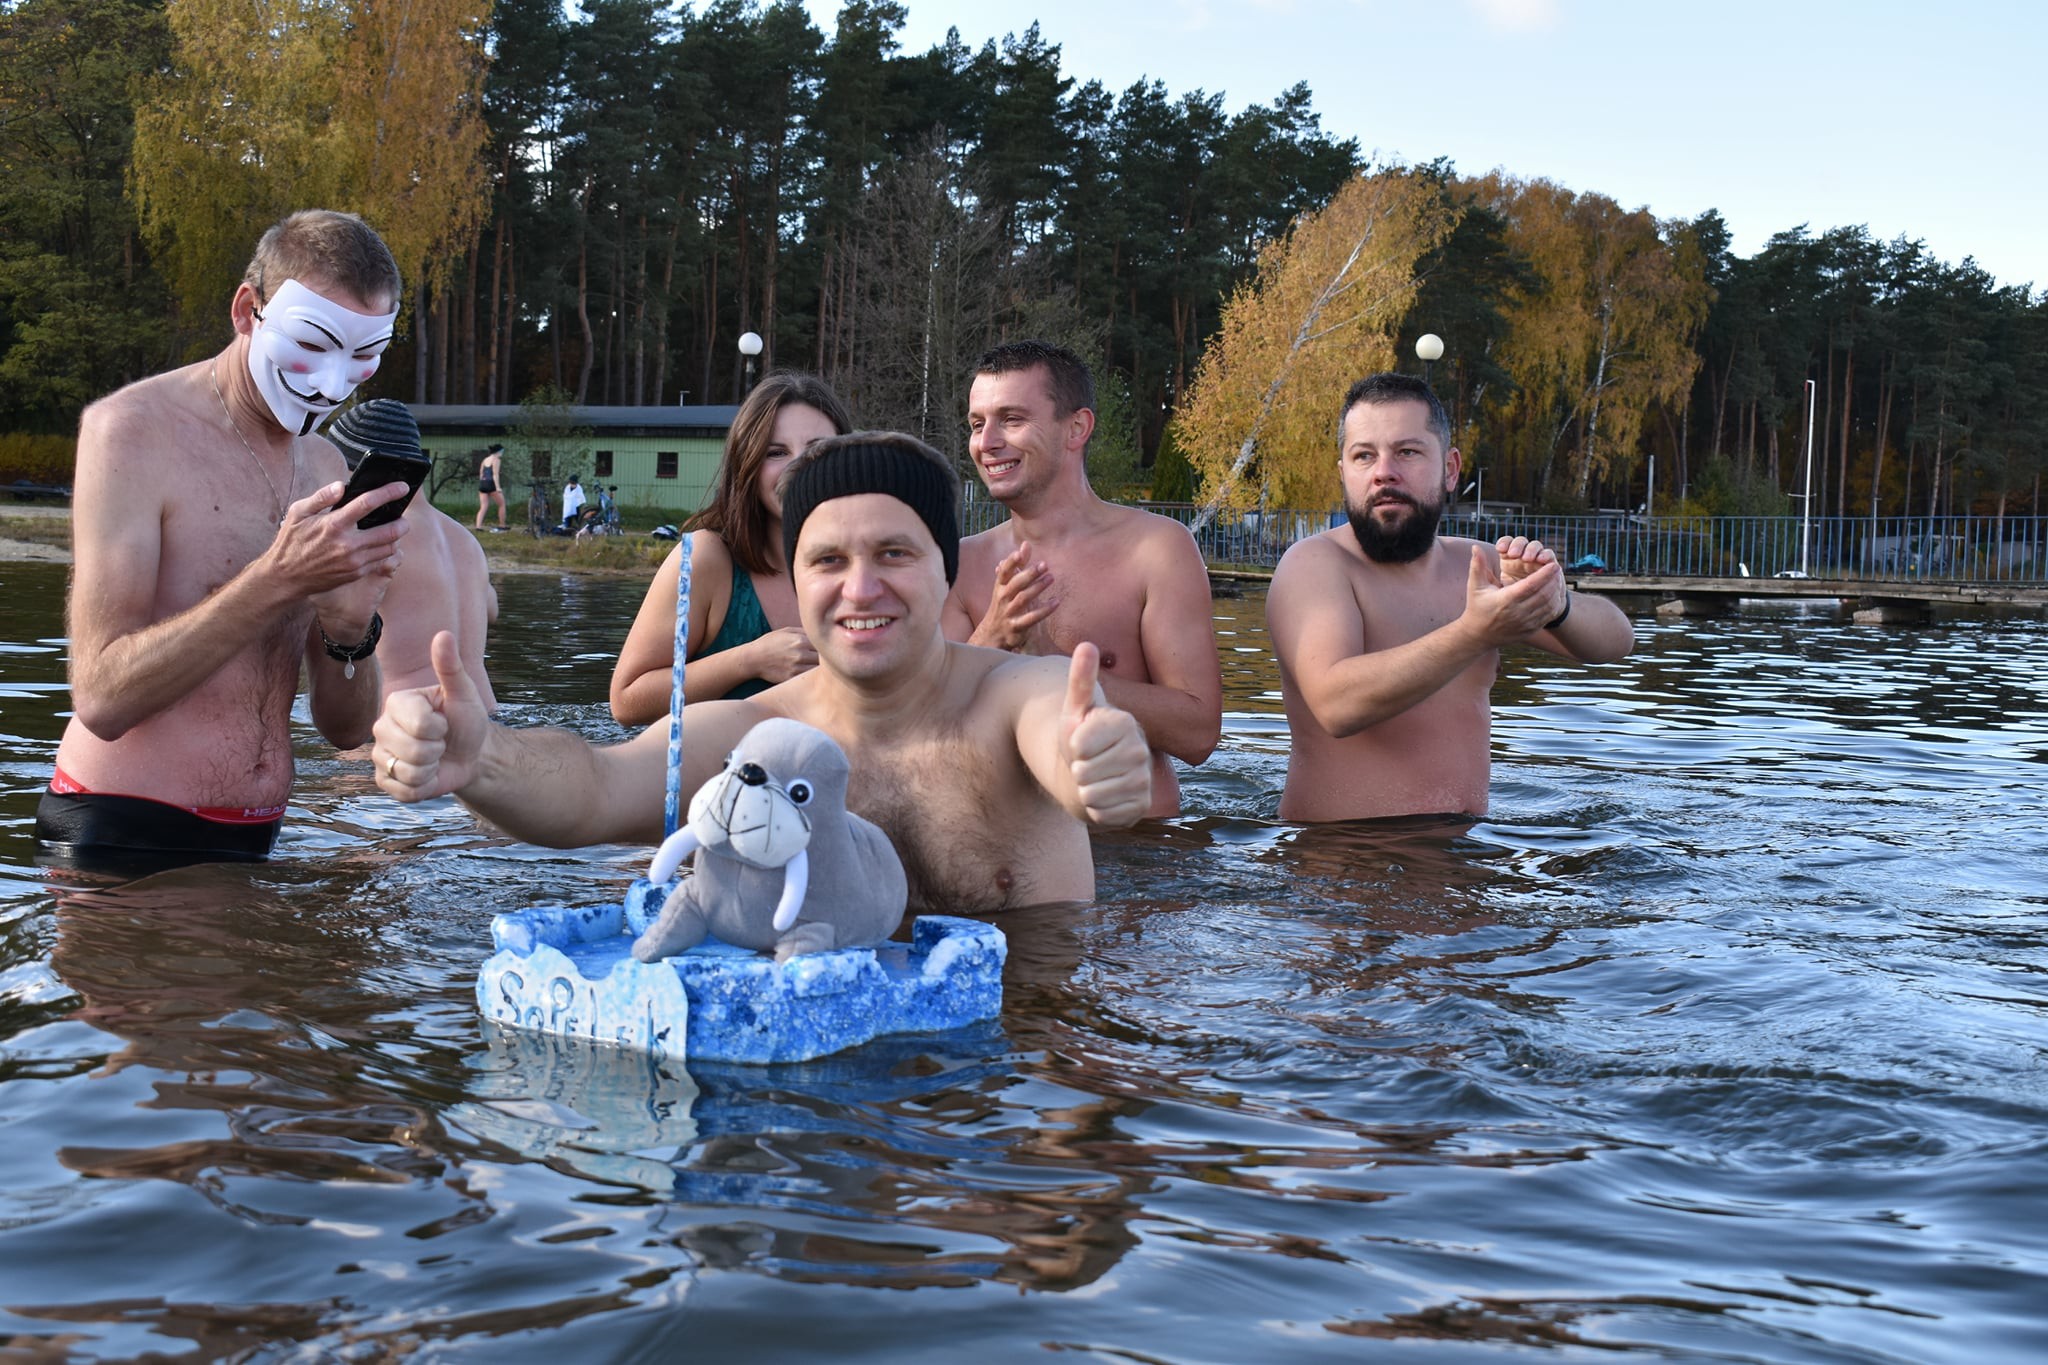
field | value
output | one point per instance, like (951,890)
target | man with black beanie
(986,769)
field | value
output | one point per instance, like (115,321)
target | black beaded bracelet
(1558,620)
(348,655)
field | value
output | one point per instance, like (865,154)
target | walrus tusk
(796,880)
(671,854)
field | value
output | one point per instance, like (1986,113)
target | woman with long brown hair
(744,635)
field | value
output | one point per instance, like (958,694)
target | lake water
(1721,1040)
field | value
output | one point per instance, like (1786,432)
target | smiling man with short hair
(1069,567)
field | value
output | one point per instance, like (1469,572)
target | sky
(1916,119)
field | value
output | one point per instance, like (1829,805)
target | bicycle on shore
(538,499)
(603,520)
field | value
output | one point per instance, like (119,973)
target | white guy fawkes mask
(308,353)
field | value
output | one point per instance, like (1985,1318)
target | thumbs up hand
(429,739)
(1103,748)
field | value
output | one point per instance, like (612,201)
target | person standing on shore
(572,503)
(1389,636)
(198,594)
(490,484)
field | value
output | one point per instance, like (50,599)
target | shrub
(1173,478)
(45,460)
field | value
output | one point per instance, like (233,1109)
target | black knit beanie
(842,471)
(380,424)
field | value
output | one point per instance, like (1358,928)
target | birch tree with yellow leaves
(1260,417)
(1605,339)
(372,106)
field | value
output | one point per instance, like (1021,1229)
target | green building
(661,457)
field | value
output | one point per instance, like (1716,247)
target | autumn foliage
(287,104)
(1259,420)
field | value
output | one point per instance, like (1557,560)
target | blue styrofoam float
(571,971)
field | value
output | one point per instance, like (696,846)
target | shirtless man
(985,769)
(1068,567)
(1389,637)
(198,592)
(445,583)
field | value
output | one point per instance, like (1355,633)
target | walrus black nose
(753,774)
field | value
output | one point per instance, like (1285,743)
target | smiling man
(984,769)
(1068,567)
(1389,636)
(212,562)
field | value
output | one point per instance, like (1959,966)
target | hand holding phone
(374,471)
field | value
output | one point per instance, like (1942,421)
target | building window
(603,467)
(665,462)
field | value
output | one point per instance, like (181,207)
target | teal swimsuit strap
(744,618)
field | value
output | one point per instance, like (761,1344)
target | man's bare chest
(204,545)
(1102,603)
(962,820)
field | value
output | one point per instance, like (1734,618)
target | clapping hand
(1513,603)
(1021,599)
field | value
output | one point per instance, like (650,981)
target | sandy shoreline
(15,550)
(24,551)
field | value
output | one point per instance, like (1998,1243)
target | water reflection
(1722,1037)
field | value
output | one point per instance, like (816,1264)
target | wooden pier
(1869,599)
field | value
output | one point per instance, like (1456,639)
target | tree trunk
(1940,445)
(497,287)
(1848,407)
(668,293)
(1599,390)
(511,320)
(710,321)
(583,318)
(1824,430)
(770,247)
(1721,399)
(1685,448)
(444,309)
(419,342)
(466,388)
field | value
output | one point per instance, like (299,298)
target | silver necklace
(213,378)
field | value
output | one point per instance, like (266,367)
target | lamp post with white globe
(750,347)
(1429,348)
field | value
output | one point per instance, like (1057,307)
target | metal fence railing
(1964,549)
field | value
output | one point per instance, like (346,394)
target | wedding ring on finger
(391,767)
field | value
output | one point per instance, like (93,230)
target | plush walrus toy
(780,862)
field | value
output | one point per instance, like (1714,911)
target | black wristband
(348,655)
(1554,622)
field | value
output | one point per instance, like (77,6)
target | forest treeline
(598,204)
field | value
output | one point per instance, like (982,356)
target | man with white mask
(198,591)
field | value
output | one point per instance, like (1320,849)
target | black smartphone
(378,469)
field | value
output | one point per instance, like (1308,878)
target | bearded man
(214,560)
(1389,636)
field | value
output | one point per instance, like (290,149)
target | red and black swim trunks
(79,826)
